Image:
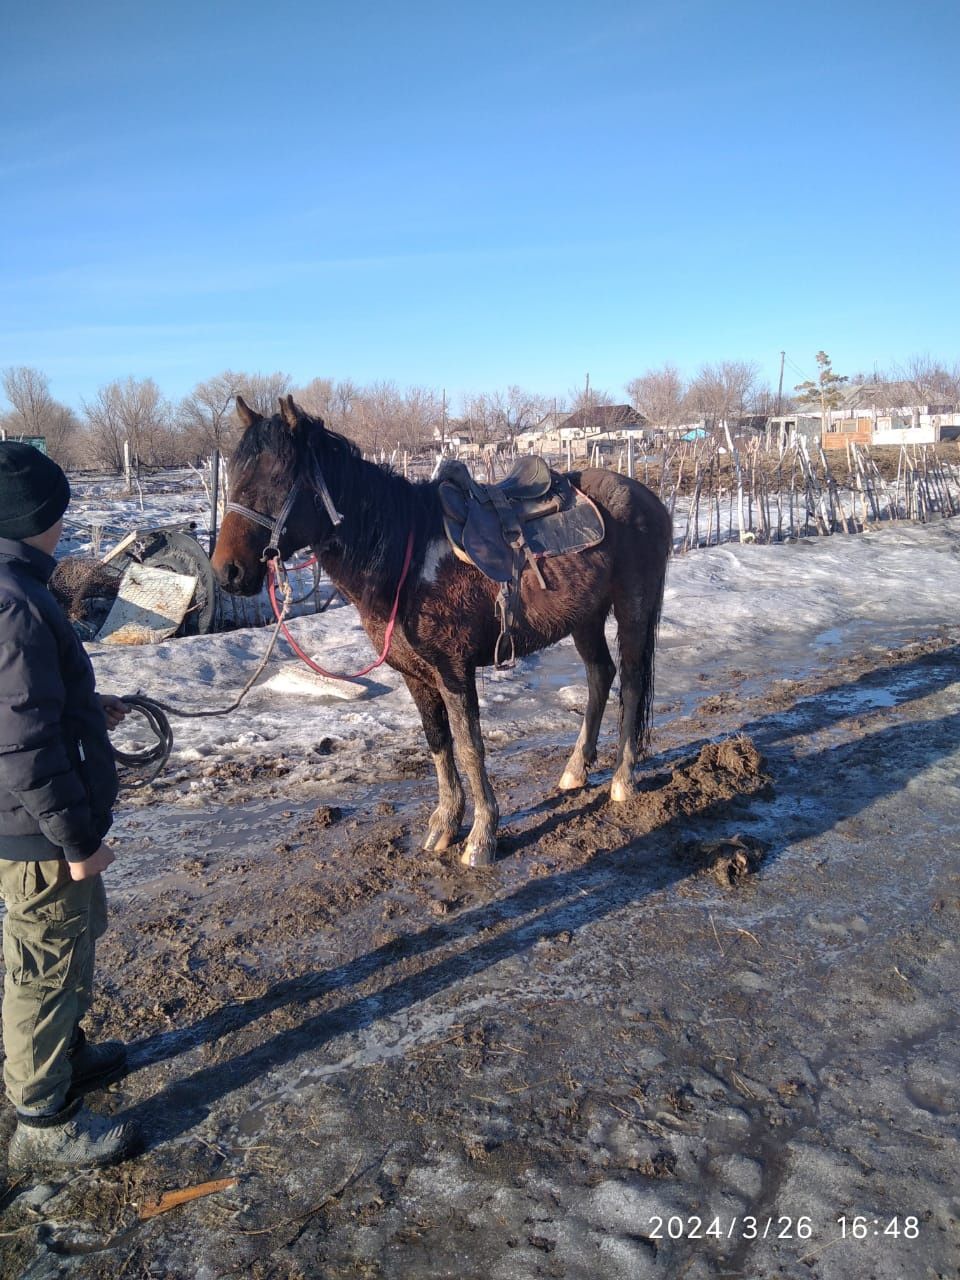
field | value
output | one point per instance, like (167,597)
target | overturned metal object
(150,606)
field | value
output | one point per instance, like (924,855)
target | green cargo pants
(49,937)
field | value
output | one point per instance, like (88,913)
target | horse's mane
(380,506)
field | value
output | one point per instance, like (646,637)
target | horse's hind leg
(444,827)
(592,647)
(637,619)
(459,694)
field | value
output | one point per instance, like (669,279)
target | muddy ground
(712,1033)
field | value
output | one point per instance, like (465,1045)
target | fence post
(214,497)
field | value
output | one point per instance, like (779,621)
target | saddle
(501,529)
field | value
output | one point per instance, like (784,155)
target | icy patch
(299,680)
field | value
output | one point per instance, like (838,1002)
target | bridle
(277,572)
(278,526)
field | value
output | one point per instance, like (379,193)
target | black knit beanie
(34,492)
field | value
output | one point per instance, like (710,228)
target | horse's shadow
(616,876)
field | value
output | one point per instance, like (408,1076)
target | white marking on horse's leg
(437,551)
(572,779)
(622,788)
(574,775)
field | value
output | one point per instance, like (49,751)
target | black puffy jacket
(58,780)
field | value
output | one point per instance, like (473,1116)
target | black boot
(95,1061)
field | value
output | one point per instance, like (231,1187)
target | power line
(802,372)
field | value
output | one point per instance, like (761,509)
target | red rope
(304,564)
(388,634)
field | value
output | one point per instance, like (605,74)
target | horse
(290,480)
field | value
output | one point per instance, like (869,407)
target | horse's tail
(648,663)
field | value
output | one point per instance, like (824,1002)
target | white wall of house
(907,435)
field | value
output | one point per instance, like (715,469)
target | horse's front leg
(443,829)
(460,698)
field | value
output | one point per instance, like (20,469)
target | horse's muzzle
(238,580)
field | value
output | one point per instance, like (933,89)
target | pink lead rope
(388,634)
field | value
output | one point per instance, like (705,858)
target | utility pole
(783,356)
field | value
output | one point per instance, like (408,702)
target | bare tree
(262,390)
(34,412)
(206,416)
(585,398)
(317,398)
(499,416)
(28,391)
(421,414)
(480,417)
(721,391)
(339,404)
(373,417)
(64,435)
(135,411)
(927,382)
(105,429)
(659,395)
(765,401)
(519,409)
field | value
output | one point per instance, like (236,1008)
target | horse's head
(278,496)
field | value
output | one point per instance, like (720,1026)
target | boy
(58,783)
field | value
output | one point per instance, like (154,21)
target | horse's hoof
(621,791)
(571,781)
(477,855)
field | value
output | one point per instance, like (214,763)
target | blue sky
(474,195)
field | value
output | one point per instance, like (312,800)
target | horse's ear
(246,415)
(291,412)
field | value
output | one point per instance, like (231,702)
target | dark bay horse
(290,466)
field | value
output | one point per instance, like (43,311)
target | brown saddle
(532,514)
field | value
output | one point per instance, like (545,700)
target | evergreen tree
(825,391)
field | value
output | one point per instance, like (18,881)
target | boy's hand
(115,709)
(98,861)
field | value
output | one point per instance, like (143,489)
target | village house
(579,432)
(602,422)
(904,424)
(785,429)
(456,442)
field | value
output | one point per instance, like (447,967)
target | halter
(278,526)
(277,573)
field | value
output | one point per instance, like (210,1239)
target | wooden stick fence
(768,494)
(792,491)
